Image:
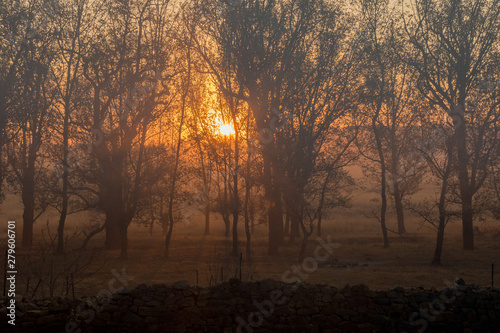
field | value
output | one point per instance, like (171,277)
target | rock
(267,285)
(146,311)
(339,297)
(234,282)
(347,326)
(37,313)
(335,319)
(130,317)
(180,285)
(459,281)
(45,320)
(311,308)
(399,289)
(110,308)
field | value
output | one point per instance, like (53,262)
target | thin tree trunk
(28,215)
(287,224)
(227,224)
(113,204)
(306,234)
(112,241)
(151,227)
(123,240)
(92,234)
(226,208)
(236,200)
(168,237)
(294,228)
(251,211)
(28,198)
(436,260)
(65,180)
(398,198)
(207,219)
(70,84)
(383,194)
(272,191)
(465,190)
(248,184)
(275,223)
(322,200)
(398,202)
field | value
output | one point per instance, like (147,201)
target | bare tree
(376,87)
(16,30)
(438,151)
(127,95)
(187,44)
(71,20)
(201,126)
(452,43)
(32,108)
(267,43)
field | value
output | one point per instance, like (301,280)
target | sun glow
(226,129)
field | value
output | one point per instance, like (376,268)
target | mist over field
(209,144)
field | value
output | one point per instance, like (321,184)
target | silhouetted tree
(31,103)
(452,44)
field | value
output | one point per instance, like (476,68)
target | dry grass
(359,259)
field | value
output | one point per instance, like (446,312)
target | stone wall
(264,306)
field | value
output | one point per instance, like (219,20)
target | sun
(226,129)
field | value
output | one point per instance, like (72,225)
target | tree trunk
(303,247)
(293,215)
(305,232)
(272,189)
(92,234)
(398,202)
(275,223)
(319,225)
(62,218)
(177,156)
(252,217)
(294,228)
(235,235)
(112,228)
(322,200)
(28,217)
(226,207)
(207,219)
(69,85)
(383,209)
(168,237)
(436,260)
(227,224)
(248,187)
(383,192)
(65,180)
(287,224)
(465,188)
(123,240)
(236,200)
(28,198)
(113,205)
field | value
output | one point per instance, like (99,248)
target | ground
(359,258)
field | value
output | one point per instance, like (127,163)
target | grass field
(360,257)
